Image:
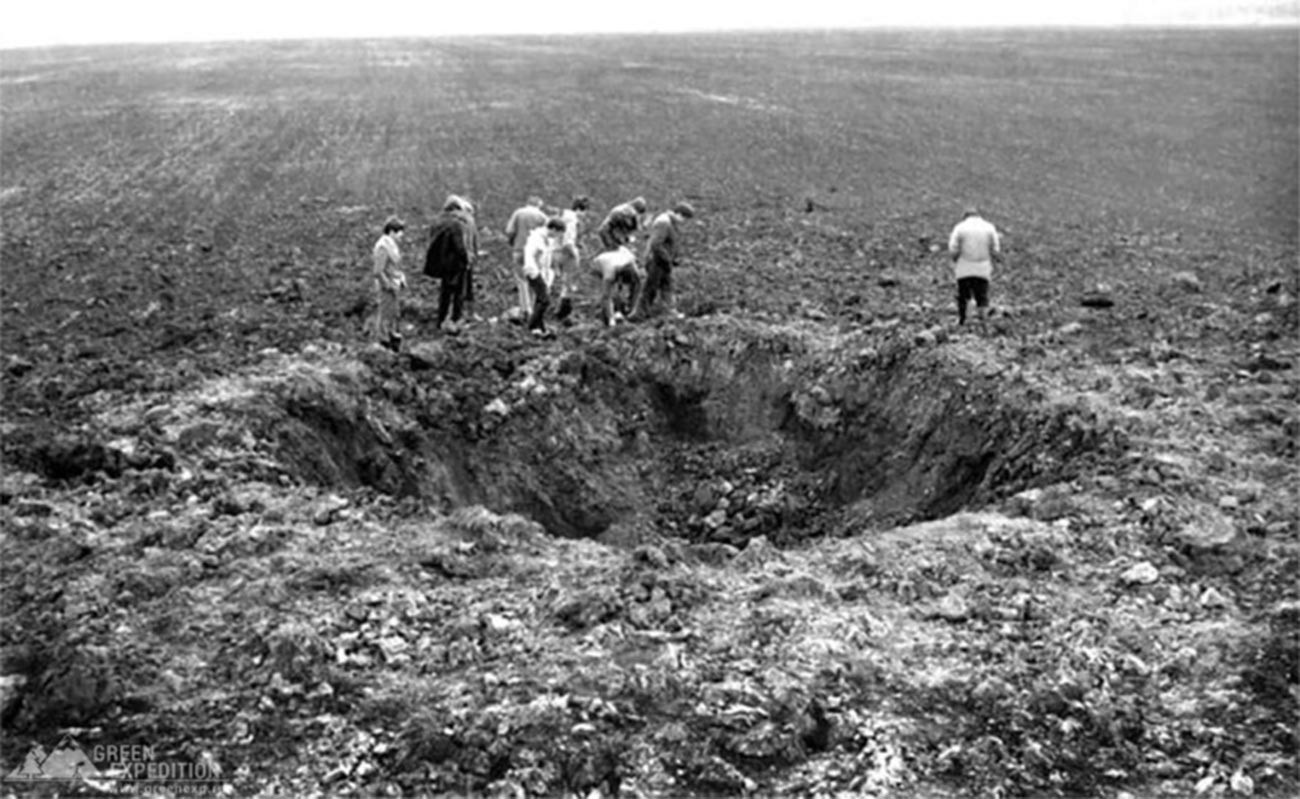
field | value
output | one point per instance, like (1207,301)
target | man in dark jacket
(621,223)
(662,252)
(453,245)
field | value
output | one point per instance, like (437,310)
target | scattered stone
(1211,529)
(328,509)
(1187,281)
(716,519)
(713,554)
(1212,599)
(17,366)
(952,608)
(31,508)
(1097,299)
(1266,363)
(651,556)
(1229,502)
(1071,329)
(425,355)
(1140,574)
(705,497)
(497,406)
(887,280)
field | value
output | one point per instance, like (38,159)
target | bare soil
(811,539)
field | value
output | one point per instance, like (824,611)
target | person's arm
(995,247)
(954,245)
(512,228)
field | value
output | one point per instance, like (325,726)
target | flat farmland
(810,539)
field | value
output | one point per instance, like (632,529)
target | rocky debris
(1140,574)
(1212,599)
(931,337)
(951,607)
(734,513)
(1097,298)
(1187,281)
(17,366)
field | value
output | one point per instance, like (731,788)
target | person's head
(639,205)
(581,203)
(684,209)
(535,201)
(455,202)
(394,226)
(970,211)
(555,227)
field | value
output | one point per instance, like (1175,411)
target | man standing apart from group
(621,223)
(662,254)
(974,245)
(453,246)
(521,224)
(389,281)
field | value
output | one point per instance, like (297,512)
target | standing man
(621,223)
(616,268)
(522,222)
(539,257)
(974,245)
(453,245)
(389,281)
(662,254)
(567,257)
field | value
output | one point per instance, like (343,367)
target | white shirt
(537,256)
(388,263)
(974,241)
(570,218)
(608,264)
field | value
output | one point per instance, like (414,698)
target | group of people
(546,257)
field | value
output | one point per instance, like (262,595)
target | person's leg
(666,289)
(566,263)
(445,289)
(390,315)
(521,282)
(458,295)
(646,297)
(980,288)
(469,292)
(537,321)
(608,287)
(963,296)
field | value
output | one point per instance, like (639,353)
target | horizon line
(1255,24)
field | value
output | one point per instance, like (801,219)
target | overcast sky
(25,23)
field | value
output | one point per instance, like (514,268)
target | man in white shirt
(974,245)
(539,256)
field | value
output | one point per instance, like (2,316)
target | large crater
(715,428)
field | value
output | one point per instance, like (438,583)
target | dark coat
(451,246)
